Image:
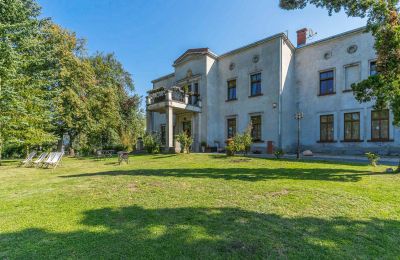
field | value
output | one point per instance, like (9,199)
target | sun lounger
(28,159)
(40,160)
(55,161)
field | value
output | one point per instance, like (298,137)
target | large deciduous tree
(24,76)
(74,83)
(114,107)
(383,22)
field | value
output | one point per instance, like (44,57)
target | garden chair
(39,160)
(48,159)
(56,160)
(28,159)
(123,157)
(100,154)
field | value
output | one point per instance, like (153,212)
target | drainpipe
(280,97)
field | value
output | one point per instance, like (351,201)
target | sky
(148,35)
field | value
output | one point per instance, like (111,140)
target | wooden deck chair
(28,159)
(56,160)
(39,160)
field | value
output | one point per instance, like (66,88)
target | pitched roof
(200,51)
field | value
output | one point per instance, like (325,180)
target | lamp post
(298,116)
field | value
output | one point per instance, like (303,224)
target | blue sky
(147,36)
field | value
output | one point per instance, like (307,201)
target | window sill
(257,95)
(380,140)
(326,142)
(229,100)
(328,94)
(352,141)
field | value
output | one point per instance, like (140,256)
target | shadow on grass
(203,233)
(245,174)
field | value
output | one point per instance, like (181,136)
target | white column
(169,128)
(149,121)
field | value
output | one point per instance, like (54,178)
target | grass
(199,206)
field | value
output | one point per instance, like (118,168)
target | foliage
(230,148)
(239,143)
(203,143)
(185,141)
(373,158)
(50,87)
(279,153)
(25,102)
(152,143)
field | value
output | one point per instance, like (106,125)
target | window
(194,98)
(255,84)
(231,122)
(163,135)
(256,128)
(352,126)
(372,68)
(232,89)
(326,128)
(380,125)
(326,79)
(352,75)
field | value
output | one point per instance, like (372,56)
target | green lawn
(199,206)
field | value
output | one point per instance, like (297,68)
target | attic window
(352,49)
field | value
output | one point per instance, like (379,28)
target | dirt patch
(278,193)
(132,186)
(239,246)
(156,184)
(240,160)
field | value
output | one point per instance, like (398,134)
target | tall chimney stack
(302,37)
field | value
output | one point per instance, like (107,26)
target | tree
(383,22)
(24,68)
(74,82)
(115,107)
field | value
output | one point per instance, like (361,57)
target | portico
(181,111)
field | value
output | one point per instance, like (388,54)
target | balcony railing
(173,94)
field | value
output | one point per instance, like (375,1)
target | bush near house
(185,141)
(152,143)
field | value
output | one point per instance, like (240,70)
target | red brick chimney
(302,37)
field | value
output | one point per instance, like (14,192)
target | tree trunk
(1,149)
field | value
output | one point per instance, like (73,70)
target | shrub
(151,143)
(185,141)
(230,147)
(279,153)
(373,158)
(241,142)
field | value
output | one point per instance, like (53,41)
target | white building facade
(264,84)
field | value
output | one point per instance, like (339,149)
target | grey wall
(309,61)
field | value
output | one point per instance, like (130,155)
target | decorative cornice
(340,35)
(163,78)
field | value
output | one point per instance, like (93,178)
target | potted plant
(203,145)
(373,158)
(279,153)
(185,141)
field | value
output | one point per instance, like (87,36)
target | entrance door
(187,127)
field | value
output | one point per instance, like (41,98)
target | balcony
(159,99)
